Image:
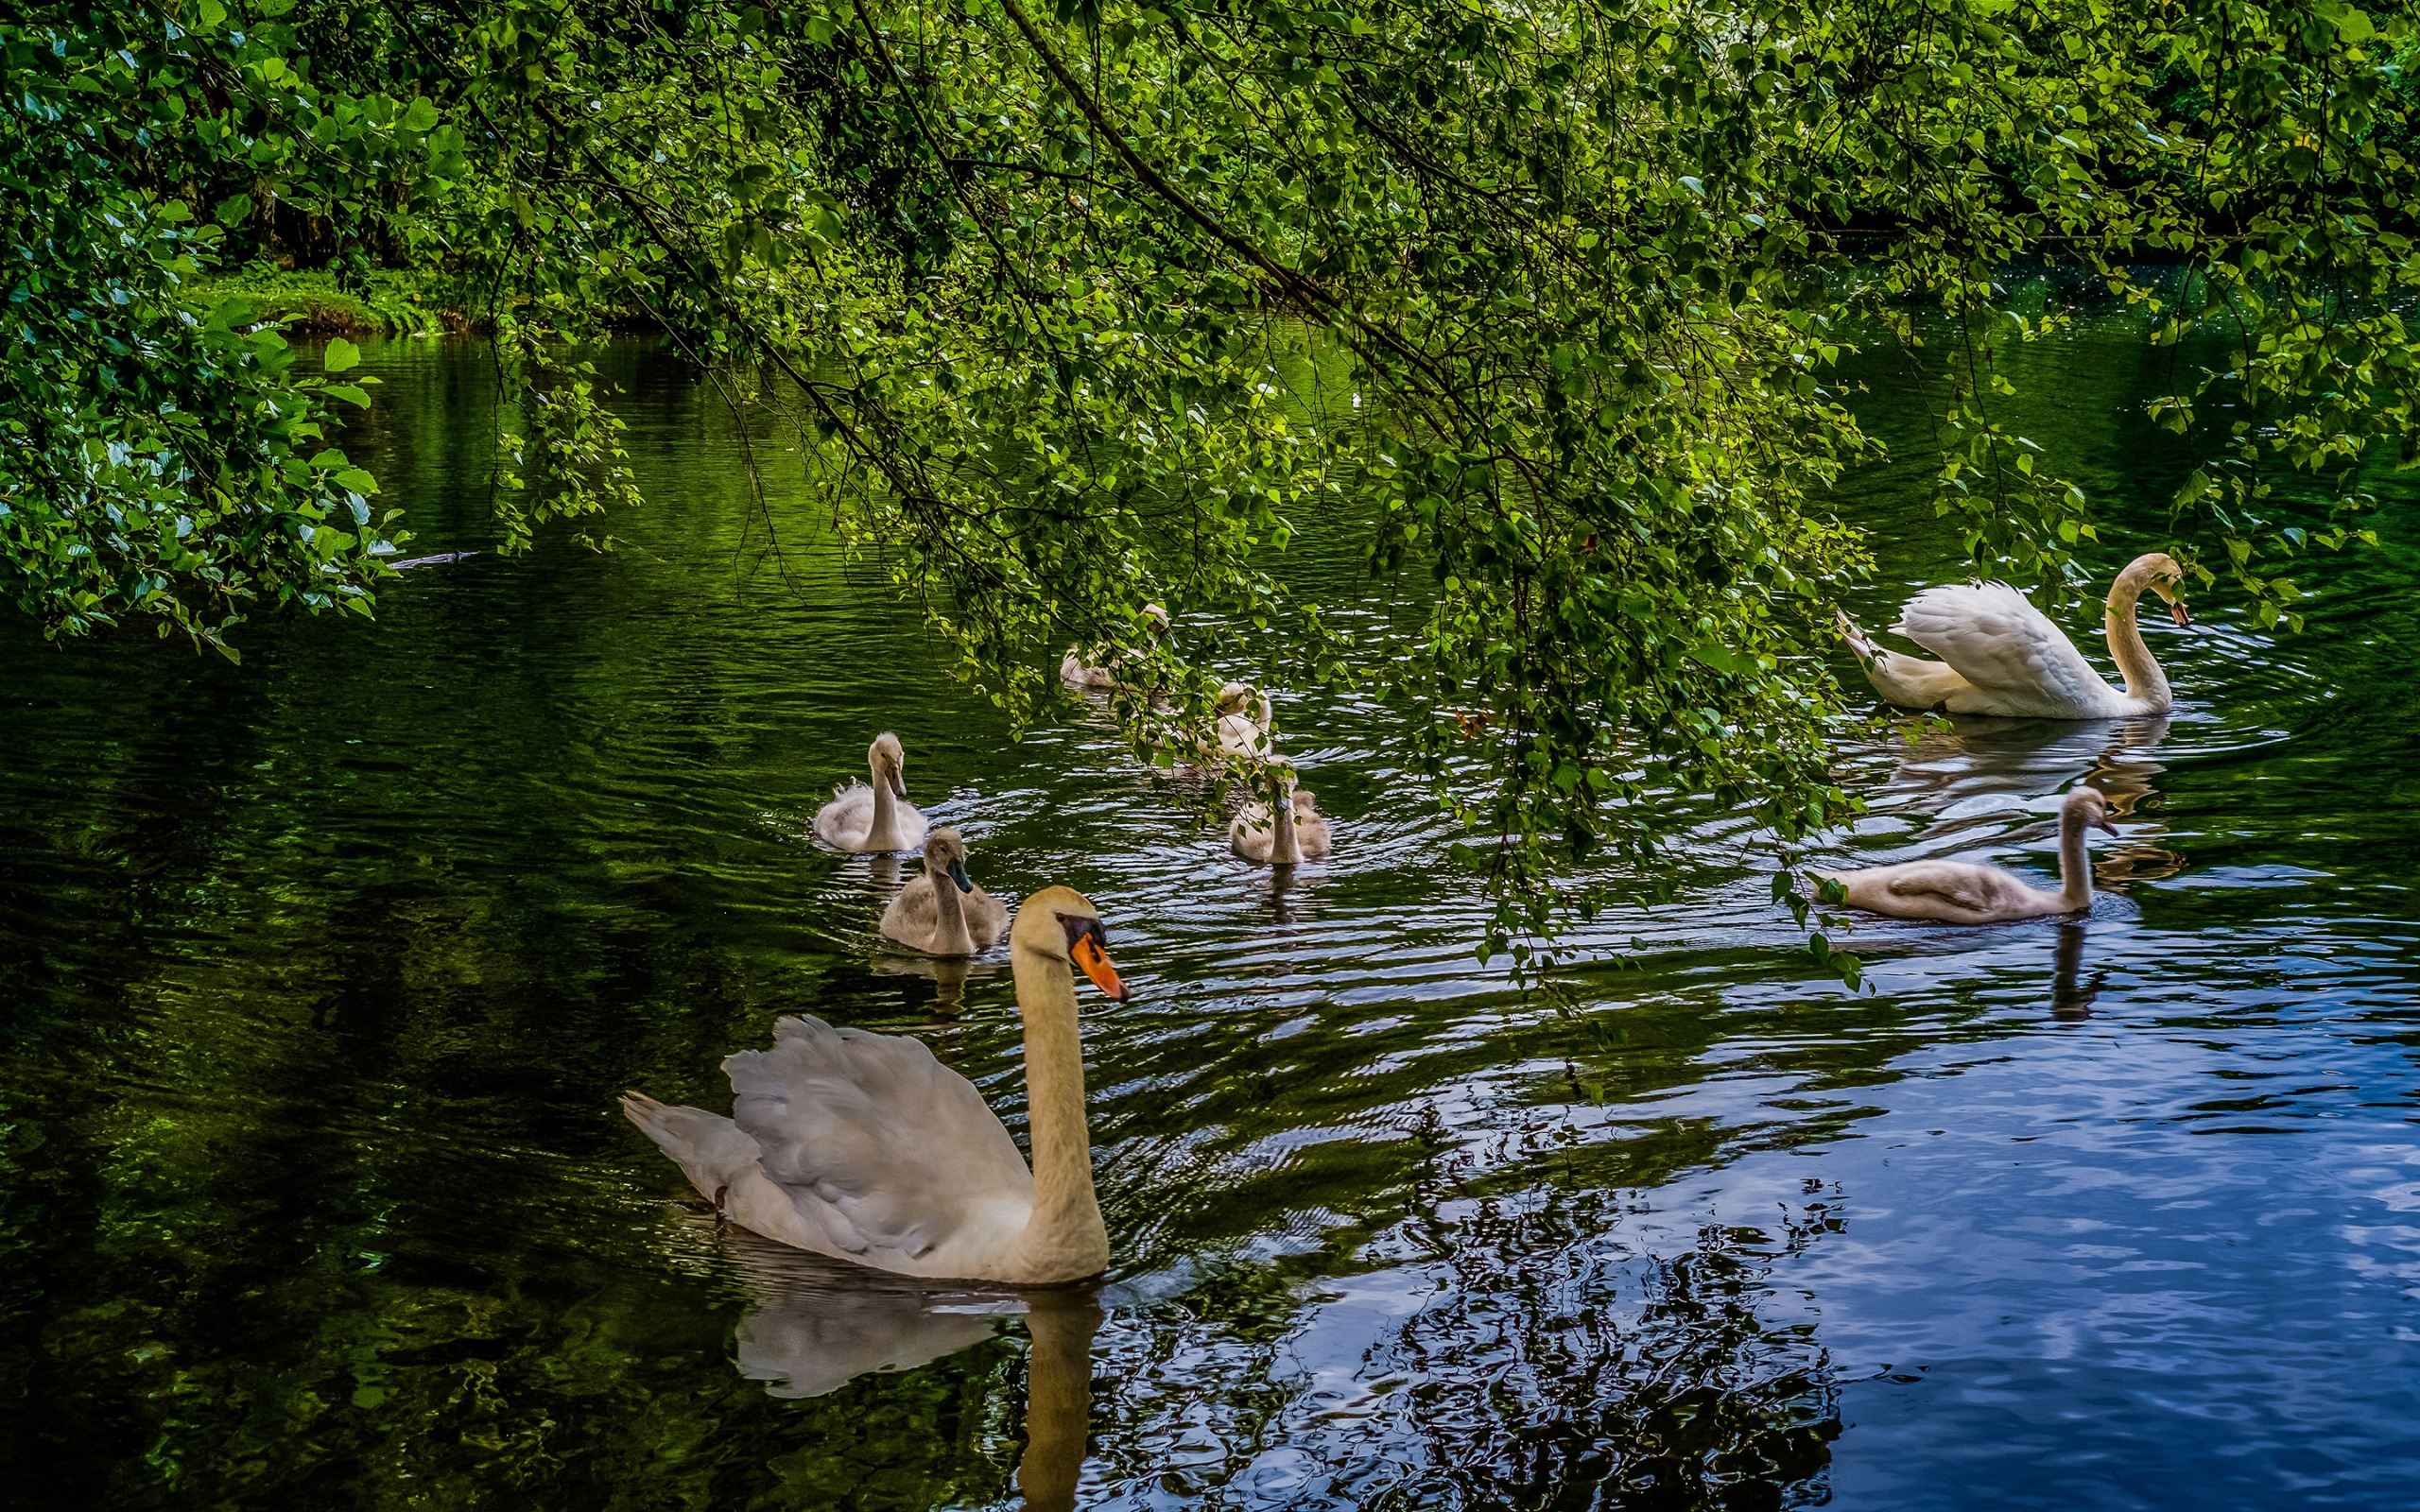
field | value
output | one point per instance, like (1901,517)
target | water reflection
(949,975)
(325,969)
(2070,1000)
(1983,783)
(1059,1395)
(1281,894)
(814,1325)
(1960,766)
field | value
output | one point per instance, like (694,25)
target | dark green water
(319,976)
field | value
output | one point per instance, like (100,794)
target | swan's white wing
(1995,638)
(709,1148)
(873,1138)
(848,816)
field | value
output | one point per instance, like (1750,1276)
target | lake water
(320,976)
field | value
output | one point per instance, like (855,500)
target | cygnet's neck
(883,833)
(2075,862)
(950,934)
(1288,847)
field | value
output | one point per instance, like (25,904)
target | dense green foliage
(1029,285)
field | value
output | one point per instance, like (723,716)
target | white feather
(2018,661)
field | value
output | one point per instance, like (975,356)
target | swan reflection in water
(949,975)
(1956,783)
(2070,1000)
(814,1325)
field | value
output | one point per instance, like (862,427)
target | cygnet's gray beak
(2105,827)
(2176,610)
(898,785)
(957,875)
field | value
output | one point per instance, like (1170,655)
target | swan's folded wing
(1995,638)
(912,916)
(1957,886)
(987,918)
(850,812)
(873,1138)
(709,1148)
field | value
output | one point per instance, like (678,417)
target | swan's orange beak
(1095,961)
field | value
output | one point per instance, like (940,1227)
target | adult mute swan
(866,819)
(864,1147)
(1999,655)
(1298,834)
(943,912)
(1961,892)
(1102,677)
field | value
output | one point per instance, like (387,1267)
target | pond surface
(321,975)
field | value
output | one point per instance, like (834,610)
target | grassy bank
(376,303)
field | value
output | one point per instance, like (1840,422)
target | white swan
(866,819)
(1299,834)
(864,1147)
(1244,722)
(1961,892)
(1102,677)
(1999,655)
(943,912)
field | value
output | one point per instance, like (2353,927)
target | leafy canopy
(1031,282)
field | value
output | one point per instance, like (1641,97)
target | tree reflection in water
(1514,1356)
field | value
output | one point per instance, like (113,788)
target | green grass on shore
(375,303)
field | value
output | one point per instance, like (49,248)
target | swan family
(1999,655)
(865,1147)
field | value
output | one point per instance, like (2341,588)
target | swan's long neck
(883,834)
(1288,847)
(1064,1240)
(2075,863)
(950,934)
(2144,679)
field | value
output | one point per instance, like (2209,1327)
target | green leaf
(2351,22)
(355,479)
(340,356)
(422,116)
